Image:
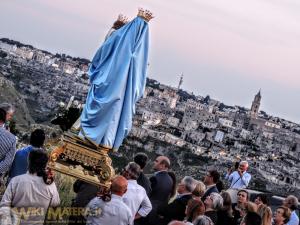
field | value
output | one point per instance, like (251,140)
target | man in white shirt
(113,212)
(32,192)
(291,202)
(136,197)
(239,179)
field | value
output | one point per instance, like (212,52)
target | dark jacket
(236,214)
(161,185)
(144,182)
(85,192)
(224,218)
(174,210)
(213,215)
(209,191)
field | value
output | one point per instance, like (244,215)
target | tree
(3,54)
(206,99)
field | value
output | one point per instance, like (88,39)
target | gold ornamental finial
(145,14)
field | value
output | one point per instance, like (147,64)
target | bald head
(176,222)
(119,185)
(161,163)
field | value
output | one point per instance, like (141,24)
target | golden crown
(122,18)
(145,14)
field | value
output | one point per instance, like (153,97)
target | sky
(226,49)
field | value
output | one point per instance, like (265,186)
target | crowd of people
(134,198)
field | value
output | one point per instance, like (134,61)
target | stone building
(255,105)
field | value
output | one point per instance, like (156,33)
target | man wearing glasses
(211,178)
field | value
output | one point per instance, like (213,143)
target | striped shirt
(7,150)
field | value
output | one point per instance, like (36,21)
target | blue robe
(118,78)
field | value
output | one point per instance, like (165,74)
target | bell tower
(180,82)
(255,105)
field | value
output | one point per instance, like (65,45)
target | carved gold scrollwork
(105,172)
(78,159)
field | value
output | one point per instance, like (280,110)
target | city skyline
(226,51)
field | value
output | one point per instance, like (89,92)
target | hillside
(9,94)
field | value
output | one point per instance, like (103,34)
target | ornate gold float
(81,159)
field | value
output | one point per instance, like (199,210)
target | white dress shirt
(237,181)
(29,192)
(294,219)
(136,199)
(114,212)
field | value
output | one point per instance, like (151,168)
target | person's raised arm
(246,177)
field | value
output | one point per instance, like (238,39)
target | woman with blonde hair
(199,190)
(265,213)
(282,215)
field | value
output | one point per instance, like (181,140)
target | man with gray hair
(136,197)
(176,209)
(292,203)
(10,110)
(239,179)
